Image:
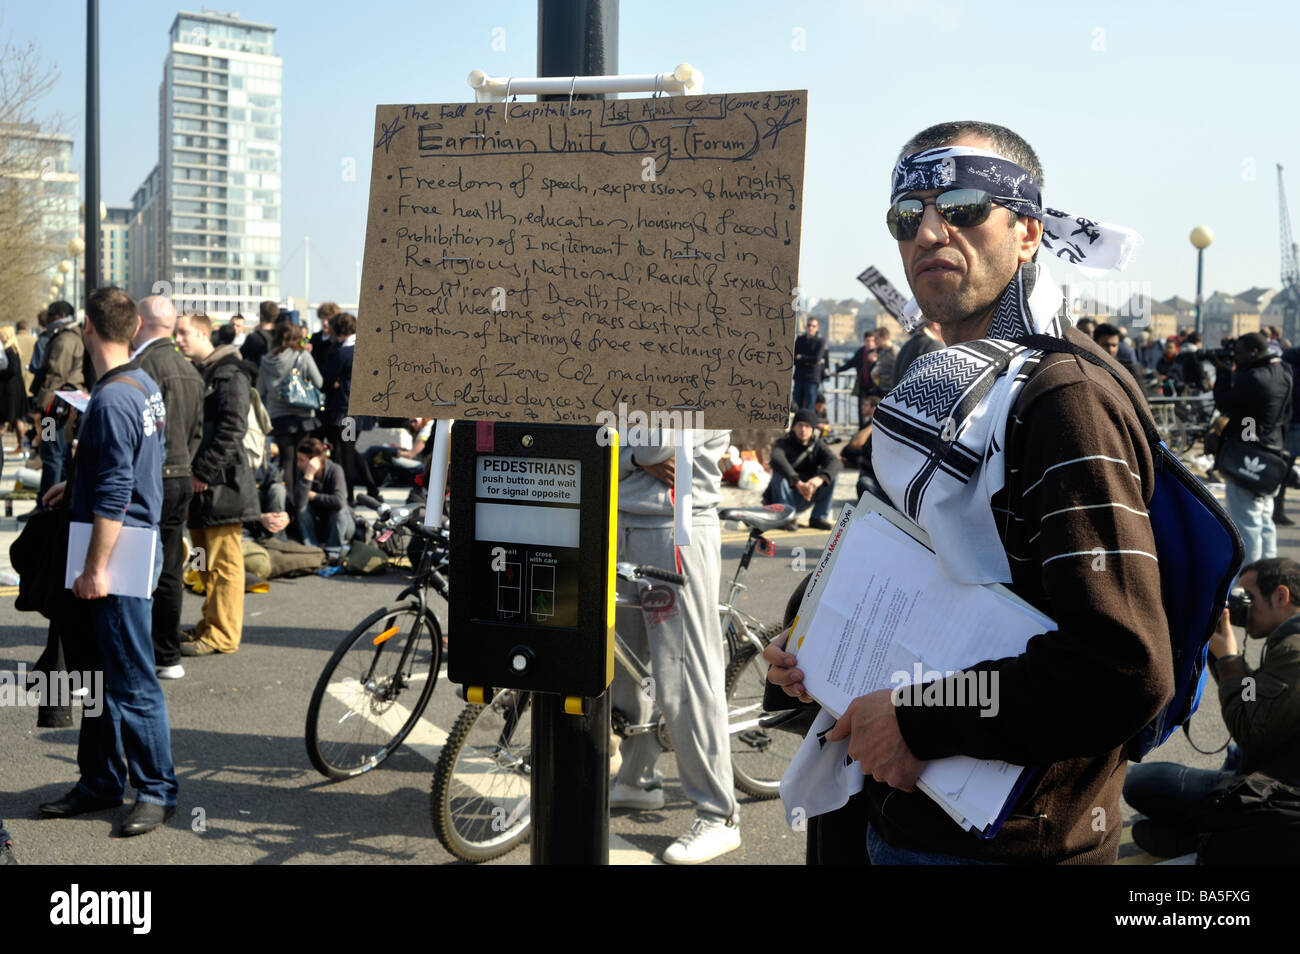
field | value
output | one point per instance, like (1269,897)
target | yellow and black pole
(571,734)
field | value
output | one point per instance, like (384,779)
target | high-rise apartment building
(38,194)
(115,246)
(207,219)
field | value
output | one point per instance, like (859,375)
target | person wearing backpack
(288,381)
(1027,467)
(61,369)
(1261,708)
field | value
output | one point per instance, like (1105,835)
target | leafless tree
(30,181)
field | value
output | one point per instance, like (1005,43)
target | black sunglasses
(964,208)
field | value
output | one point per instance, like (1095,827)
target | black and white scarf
(939,435)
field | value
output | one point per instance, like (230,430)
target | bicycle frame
(737,628)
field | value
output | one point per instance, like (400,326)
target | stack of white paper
(881,614)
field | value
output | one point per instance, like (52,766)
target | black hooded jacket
(220,462)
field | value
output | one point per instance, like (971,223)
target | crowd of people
(1023,464)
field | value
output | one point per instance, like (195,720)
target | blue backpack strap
(1200,552)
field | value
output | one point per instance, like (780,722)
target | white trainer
(707,839)
(170,672)
(633,796)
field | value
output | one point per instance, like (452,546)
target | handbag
(296,392)
(1251,465)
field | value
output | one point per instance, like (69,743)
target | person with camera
(1261,708)
(1255,392)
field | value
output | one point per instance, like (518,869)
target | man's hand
(54,494)
(274,522)
(808,487)
(781,671)
(198,485)
(664,472)
(871,725)
(1224,641)
(90,586)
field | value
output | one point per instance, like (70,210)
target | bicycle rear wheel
(481,797)
(759,756)
(373,690)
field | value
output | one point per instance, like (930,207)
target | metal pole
(92,144)
(1200,261)
(570,784)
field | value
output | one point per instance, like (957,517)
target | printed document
(882,615)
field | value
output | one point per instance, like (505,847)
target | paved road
(249,795)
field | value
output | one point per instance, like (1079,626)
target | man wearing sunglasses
(1027,468)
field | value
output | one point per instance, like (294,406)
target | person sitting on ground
(857,452)
(1261,708)
(320,498)
(386,461)
(804,471)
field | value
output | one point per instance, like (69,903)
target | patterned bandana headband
(1094,247)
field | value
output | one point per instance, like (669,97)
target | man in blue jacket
(118,483)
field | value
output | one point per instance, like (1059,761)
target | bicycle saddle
(771,517)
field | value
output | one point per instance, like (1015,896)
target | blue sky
(1160,116)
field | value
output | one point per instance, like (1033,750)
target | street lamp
(76,246)
(1201,237)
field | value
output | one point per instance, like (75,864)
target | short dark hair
(1005,143)
(226,334)
(311,446)
(112,312)
(343,324)
(1274,572)
(268,311)
(21,325)
(1193,337)
(58,309)
(1105,330)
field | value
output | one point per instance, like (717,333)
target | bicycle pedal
(756,739)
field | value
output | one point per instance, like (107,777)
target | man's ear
(1031,236)
(1280,597)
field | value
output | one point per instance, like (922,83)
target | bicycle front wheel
(482,785)
(374,690)
(759,756)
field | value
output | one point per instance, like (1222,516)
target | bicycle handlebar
(654,573)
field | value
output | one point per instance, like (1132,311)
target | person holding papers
(117,489)
(1026,468)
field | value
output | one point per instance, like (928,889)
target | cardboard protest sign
(551,261)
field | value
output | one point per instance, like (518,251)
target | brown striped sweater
(1074,523)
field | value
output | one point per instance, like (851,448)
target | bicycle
(358,713)
(481,790)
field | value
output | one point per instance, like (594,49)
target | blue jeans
(805,393)
(1168,792)
(54,460)
(1253,515)
(336,527)
(783,492)
(883,853)
(134,710)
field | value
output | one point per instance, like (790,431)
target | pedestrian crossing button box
(533,519)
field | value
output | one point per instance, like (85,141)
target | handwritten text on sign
(546,265)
